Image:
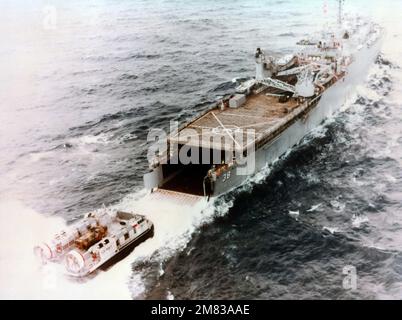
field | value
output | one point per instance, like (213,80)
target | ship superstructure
(288,97)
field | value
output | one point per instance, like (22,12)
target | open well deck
(260,112)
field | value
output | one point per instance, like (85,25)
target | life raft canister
(59,248)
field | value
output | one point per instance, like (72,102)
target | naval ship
(239,135)
(288,97)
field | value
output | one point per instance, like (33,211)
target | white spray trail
(23,277)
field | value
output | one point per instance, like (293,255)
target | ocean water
(82,83)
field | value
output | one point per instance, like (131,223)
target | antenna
(340,10)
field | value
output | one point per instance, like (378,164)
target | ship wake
(175,220)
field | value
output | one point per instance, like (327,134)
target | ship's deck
(226,129)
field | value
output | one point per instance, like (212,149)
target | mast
(340,11)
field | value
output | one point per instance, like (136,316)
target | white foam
(174,225)
(102,138)
(358,220)
(332,230)
(22,276)
(170,296)
(294,214)
(314,208)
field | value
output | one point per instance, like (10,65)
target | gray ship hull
(330,102)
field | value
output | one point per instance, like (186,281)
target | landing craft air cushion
(95,240)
